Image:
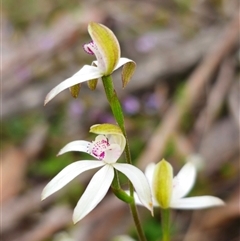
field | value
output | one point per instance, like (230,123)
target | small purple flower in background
(76,108)
(47,43)
(146,43)
(97,115)
(23,74)
(151,104)
(131,105)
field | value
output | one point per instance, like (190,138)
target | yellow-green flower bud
(162,183)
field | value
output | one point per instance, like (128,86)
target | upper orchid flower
(105,47)
(107,148)
(168,192)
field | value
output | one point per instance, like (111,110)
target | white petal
(149,172)
(94,193)
(81,146)
(197,202)
(121,62)
(117,139)
(86,73)
(67,175)
(139,182)
(184,181)
(112,153)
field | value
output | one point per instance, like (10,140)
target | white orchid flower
(107,148)
(105,47)
(169,192)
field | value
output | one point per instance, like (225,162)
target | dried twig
(194,87)
(216,98)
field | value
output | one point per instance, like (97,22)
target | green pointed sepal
(74,90)
(92,84)
(127,72)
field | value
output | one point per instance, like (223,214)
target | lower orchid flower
(107,148)
(169,192)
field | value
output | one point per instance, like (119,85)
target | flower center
(99,148)
(90,48)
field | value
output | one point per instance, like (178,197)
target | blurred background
(182,104)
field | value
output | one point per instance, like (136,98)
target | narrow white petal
(94,193)
(81,146)
(149,172)
(139,182)
(67,175)
(121,62)
(197,202)
(184,181)
(86,73)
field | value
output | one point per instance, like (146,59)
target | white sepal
(139,182)
(86,73)
(81,146)
(68,174)
(94,193)
(196,202)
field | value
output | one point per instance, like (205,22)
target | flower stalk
(119,117)
(165,222)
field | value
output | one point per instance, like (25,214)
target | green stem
(117,190)
(165,221)
(119,117)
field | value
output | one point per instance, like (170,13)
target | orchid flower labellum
(169,192)
(105,47)
(106,149)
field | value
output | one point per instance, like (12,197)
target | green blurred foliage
(22,13)
(15,129)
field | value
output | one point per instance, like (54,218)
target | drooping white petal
(121,62)
(196,202)
(139,182)
(149,172)
(86,73)
(184,181)
(94,193)
(81,146)
(68,174)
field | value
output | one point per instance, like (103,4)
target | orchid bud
(162,183)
